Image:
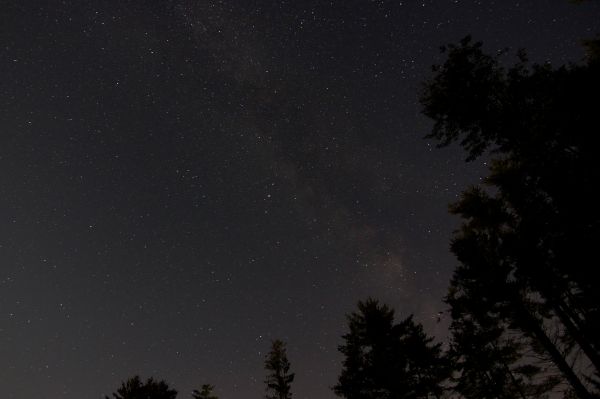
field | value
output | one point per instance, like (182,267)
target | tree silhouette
(535,229)
(279,379)
(133,388)
(492,357)
(387,360)
(206,392)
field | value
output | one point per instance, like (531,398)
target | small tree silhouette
(206,392)
(133,388)
(279,379)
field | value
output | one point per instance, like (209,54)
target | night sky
(183,181)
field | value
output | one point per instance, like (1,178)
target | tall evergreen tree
(134,388)
(279,379)
(537,227)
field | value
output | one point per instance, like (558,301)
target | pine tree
(279,379)
(535,229)
(206,392)
(387,360)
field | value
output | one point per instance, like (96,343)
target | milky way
(183,181)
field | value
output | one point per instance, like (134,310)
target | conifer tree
(535,225)
(279,378)
(387,360)
(205,392)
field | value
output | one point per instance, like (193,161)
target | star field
(183,181)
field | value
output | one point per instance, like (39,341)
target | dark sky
(183,181)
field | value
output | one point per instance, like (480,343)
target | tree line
(278,381)
(524,300)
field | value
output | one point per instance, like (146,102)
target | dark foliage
(279,379)
(487,348)
(205,392)
(134,388)
(387,360)
(525,246)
